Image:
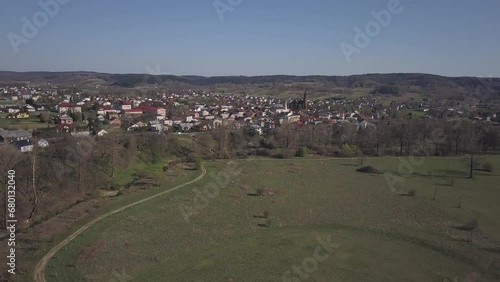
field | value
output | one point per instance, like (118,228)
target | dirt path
(39,274)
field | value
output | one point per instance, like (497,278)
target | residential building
(69,107)
(14,135)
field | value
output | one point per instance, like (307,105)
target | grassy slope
(380,234)
(112,204)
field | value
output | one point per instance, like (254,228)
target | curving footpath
(39,275)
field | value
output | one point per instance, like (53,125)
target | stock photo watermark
(152,73)
(223,6)
(408,166)
(210,191)
(11,221)
(363,37)
(302,272)
(31,26)
(485,89)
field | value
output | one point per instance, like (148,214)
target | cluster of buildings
(82,114)
(21,139)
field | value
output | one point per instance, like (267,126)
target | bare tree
(221,136)
(380,136)
(400,133)
(471,137)
(34,190)
(349,133)
(287,135)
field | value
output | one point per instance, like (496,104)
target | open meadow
(298,219)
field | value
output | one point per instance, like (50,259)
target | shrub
(198,164)
(115,186)
(488,167)
(412,192)
(260,192)
(302,152)
(369,169)
(348,150)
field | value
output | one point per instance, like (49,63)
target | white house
(102,132)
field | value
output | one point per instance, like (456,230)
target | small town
(54,114)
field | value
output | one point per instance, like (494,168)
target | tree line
(73,169)
(423,137)
(70,170)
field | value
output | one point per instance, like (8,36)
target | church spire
(305,99)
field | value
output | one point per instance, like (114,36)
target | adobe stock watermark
(152,73)
(310,264)
(407,166)
(486,88)
(30,27)
(372,29)
(201,199)
(223,6)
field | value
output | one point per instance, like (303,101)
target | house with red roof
(105,110)
(153,110)
(126,105)
(133,112)
(61,127)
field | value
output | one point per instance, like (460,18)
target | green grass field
(30,259)
(29,123)
(379,235)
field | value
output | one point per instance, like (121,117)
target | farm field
(264,219)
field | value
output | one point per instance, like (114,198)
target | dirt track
(39,273)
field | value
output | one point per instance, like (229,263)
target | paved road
(39,275)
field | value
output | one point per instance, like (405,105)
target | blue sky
(258,37)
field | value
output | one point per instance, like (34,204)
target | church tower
(305,100)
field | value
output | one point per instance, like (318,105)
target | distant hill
(380,83)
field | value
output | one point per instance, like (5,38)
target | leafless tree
(221,136)
(287,135)
(472,146)
(380,135)
(34,191)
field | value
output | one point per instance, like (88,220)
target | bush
(302,152)
(412,192)
(115,186)
(488,167)
(348,150)
(369,169)
(198,164)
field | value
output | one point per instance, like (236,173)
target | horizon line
(259,75)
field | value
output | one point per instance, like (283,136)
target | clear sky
(257,37)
